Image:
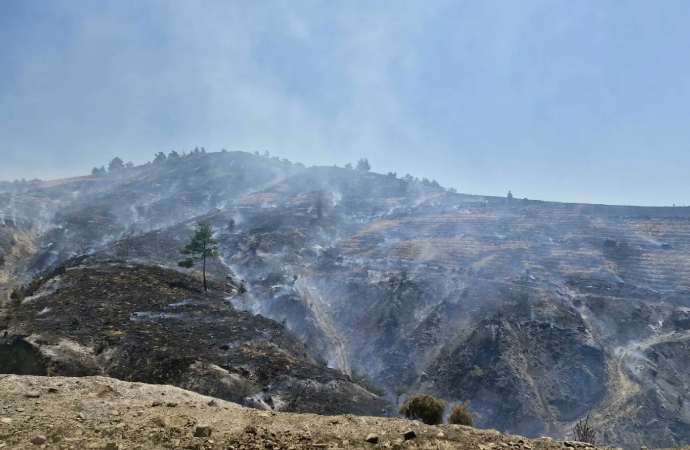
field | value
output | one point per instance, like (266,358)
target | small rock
(158,421)
(39,440)
(52,390)
(372,439)
(409,435)
(212,403)
(250,429)
(105,391)
(5,420)
(111,446)
(32,394)
(202,431)
(81,416)
(171,405)
(156,403)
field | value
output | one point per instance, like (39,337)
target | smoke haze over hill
(460,210)
(561,101)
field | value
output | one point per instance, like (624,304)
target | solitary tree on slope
(201,246)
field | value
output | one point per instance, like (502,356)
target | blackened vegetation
(509,355)
(29,289)
(585,431)
(19,357)
(155,325)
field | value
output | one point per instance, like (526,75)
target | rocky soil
(103,413)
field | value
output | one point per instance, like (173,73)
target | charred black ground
(155,325)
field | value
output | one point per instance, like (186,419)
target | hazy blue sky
(564,100)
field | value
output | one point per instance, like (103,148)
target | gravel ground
(104,413)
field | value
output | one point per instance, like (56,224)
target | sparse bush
(17,296)
(585,432)
(477,372)
(426,408)
(461,415)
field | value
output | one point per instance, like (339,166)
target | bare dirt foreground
(104,413)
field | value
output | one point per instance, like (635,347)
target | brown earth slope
(103,413)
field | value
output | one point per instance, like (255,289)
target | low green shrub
(426,408)
(17,296)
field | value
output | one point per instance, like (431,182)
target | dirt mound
(103,413)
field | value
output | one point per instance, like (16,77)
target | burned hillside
(154,325)
(411,286)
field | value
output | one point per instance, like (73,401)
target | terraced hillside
(538,313)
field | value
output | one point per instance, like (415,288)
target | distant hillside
(537,312)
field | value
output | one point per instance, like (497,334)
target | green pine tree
(201,246)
